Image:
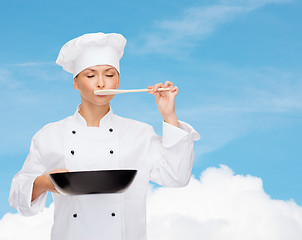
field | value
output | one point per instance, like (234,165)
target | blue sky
(237,64)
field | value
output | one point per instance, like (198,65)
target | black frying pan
(92,182)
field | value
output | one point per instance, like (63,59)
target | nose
(100,82)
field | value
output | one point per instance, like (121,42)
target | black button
(111,151)
(112,214)
(75,215)
(111,130)
(72,152)
(74,132)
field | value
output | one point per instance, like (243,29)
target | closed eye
(109,75)
(91,76)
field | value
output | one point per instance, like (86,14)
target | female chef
(95,138)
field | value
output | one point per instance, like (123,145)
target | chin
(102,101)
(97,101)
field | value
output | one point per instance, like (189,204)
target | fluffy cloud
(16,227)
(222,206)
(219,206)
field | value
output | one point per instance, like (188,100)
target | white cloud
(172,36)
(222,206)
(218,206)
(16,227)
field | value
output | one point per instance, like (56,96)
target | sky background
(237,65)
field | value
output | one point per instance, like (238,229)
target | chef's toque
(92,49)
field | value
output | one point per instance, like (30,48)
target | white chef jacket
(118,143)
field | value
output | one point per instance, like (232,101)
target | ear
(75,83)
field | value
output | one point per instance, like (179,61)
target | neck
(93,113)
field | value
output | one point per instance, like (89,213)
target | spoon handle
(117,91)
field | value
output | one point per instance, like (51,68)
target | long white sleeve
(172,154)
(22,184)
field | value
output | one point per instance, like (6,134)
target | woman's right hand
(49,186)
(42,184)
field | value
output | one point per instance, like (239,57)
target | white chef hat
(92,49)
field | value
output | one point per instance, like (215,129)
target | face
(96,78)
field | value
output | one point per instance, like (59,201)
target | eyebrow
(109,69)
(93,70)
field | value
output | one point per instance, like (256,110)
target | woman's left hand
(165,101)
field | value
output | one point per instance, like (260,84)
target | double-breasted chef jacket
(118,143)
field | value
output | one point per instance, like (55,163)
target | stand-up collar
(79,119)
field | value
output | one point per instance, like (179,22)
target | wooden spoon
(117,91)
